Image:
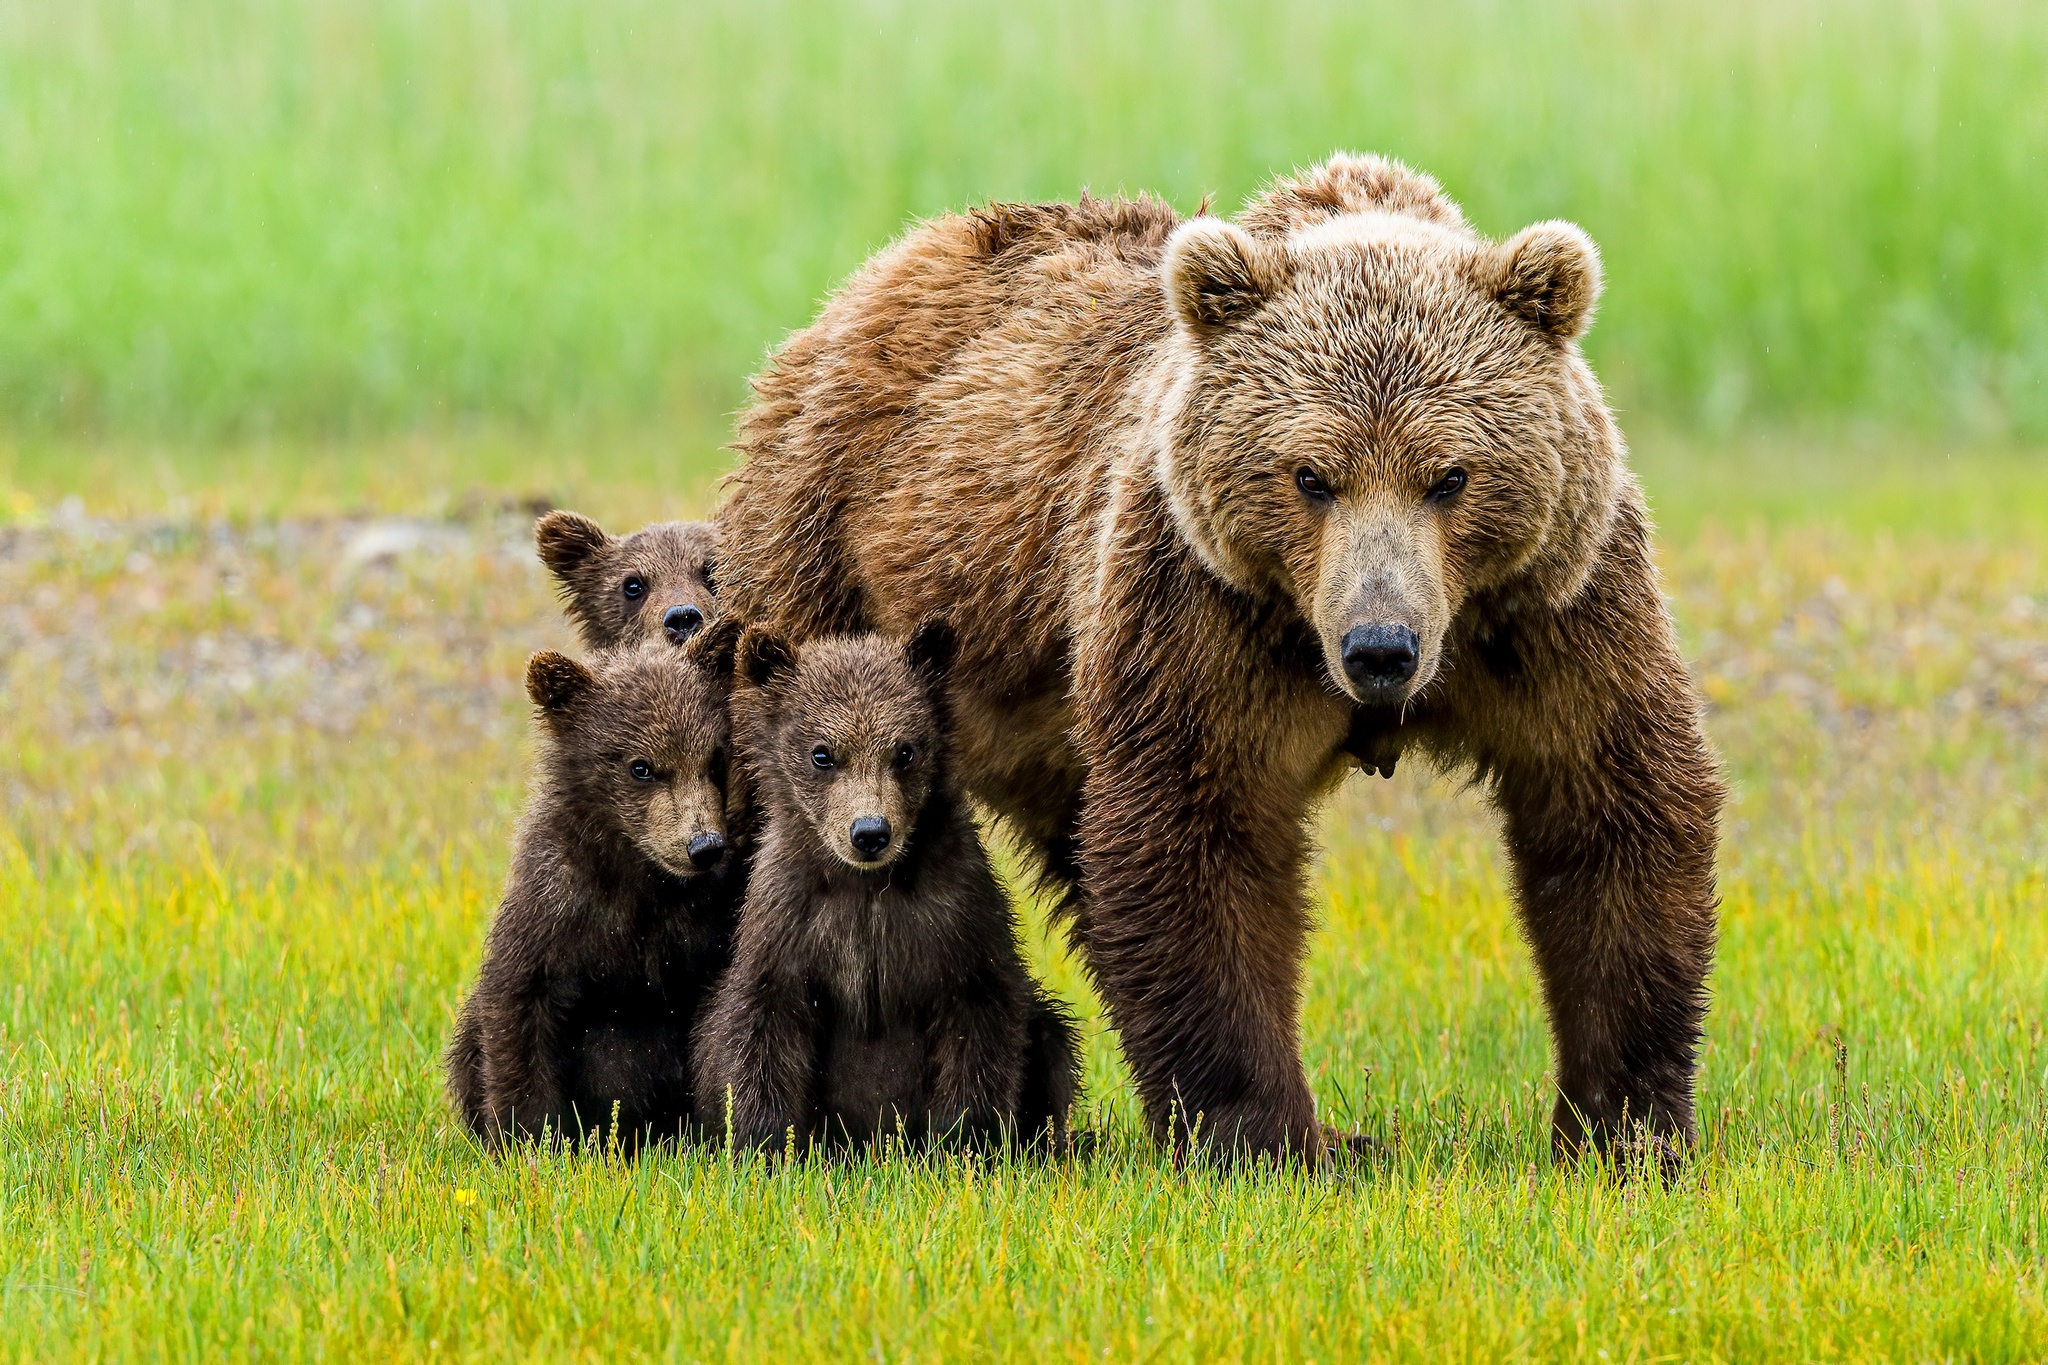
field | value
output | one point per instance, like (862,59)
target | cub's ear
(556,681)
(716,646)
(1549,276)
(930,647)
(567,541)
(765,656)
(1217,274)
(707,553)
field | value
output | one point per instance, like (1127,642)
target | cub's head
(652,585)
(639,741)
(1375,412)
(848,736)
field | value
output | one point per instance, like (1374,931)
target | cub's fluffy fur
(876,985)
(619,913)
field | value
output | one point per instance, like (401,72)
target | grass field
(305,305)
(260,783)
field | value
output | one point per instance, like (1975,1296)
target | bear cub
(652,585)
(619,913)
(876,986)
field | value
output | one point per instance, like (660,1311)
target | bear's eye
(1448,486)
(1311,485)
(634,587)
(821,757)
(905,756)
(716,768)
(642,770)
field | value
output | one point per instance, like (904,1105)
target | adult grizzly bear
(1216,505)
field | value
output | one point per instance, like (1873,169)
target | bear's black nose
(1381,656)
(707,849)
(681,623)
(870,835)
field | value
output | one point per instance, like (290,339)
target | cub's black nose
(680,623)
(870,835)
(1381,656)
(707,849)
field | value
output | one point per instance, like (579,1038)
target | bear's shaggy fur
(619,913)
(876,986)
(1216,506)
(652,585)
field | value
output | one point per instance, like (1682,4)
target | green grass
(257,796)
(322,217)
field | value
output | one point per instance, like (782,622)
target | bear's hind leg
(464,1063)
(1052,1071)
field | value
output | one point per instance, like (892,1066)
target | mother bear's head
(1375,411)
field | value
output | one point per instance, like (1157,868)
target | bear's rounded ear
(930,647)
(556,681)
(1549,276)
(715,647)
(1217,274)
(568,540)
(765,656)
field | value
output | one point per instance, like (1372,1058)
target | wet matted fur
(1172,482)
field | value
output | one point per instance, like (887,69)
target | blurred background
(541,233)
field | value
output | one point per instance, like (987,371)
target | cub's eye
(1311,485)
(634,588)
(642,771)
(821,757)
(1448,486)
(905,756)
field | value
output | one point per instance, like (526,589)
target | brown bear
(652,585)
(618,915)
(875,987)
(1216,507)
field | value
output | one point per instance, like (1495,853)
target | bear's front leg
(977,1052)
(1614,864)
(1195,931)
(757,1059)
(1610,798)
(518,1040)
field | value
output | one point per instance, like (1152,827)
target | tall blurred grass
(340,216)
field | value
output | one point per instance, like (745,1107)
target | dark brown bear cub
(620,909)
(876,986)
(652,585)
